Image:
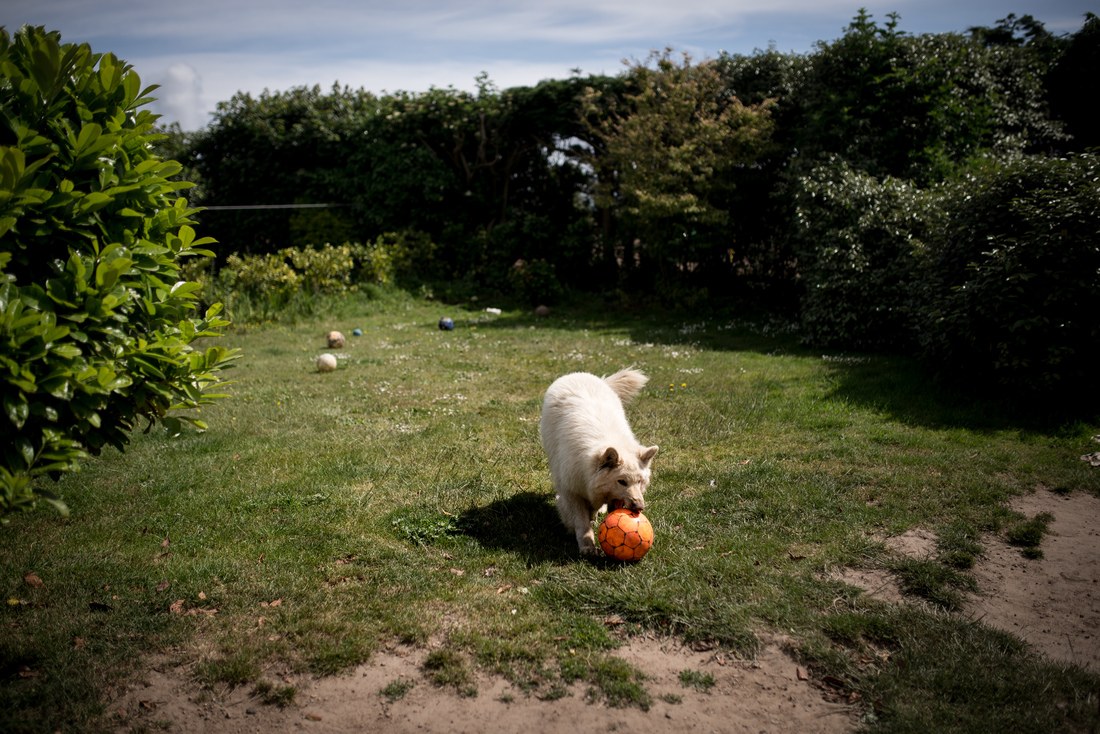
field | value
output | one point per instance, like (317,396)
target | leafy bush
(268,286)
(407,257)
(96,326)
(255,287)
(322,269)
(1011,288)
(857,241)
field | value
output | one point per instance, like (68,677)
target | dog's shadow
(526,524)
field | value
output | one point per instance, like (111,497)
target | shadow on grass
(714,331)
(526,524)
(904,389)
(898,385)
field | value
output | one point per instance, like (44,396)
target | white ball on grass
(326,363)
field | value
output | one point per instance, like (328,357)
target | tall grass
(404,499)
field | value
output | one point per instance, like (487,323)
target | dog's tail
(626,383)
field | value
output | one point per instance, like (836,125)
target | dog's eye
(622,482)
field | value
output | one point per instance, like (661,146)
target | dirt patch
(914,543)
(769,693)
(1052,603)
(875,582)
(879,583)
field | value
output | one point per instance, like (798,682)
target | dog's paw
(589,549)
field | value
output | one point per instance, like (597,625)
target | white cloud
(179,97)
(189,91)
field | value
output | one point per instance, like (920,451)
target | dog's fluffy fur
(594,457)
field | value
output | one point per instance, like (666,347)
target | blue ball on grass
(446,324)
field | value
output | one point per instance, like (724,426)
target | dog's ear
(610,458)
(647,455)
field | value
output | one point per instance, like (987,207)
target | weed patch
(1028,534)
(397,690)
(699,681)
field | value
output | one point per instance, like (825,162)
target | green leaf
(92,202)
(107,273)
(66,351)
(87,139)
(55,501)
(45,65)
(17,409)
(26,451)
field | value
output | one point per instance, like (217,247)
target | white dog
(594,458)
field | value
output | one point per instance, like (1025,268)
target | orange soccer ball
(626,535)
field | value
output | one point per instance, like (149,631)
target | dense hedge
(858,243)
(1010,292)
(96,325)
(992,278)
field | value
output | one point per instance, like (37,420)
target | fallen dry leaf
(176,607)
(202,595)
(32,580)
(163,586)
(79,643)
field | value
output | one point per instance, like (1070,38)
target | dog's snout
(635,505)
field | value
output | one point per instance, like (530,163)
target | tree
(480,172)
(281,148)
(892,104)
(1073,86)
(97,328)
(662,157)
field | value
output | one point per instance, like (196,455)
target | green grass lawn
(405,498)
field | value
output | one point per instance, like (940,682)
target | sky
(202,52)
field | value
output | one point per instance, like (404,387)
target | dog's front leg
(578,516)
(586,538)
